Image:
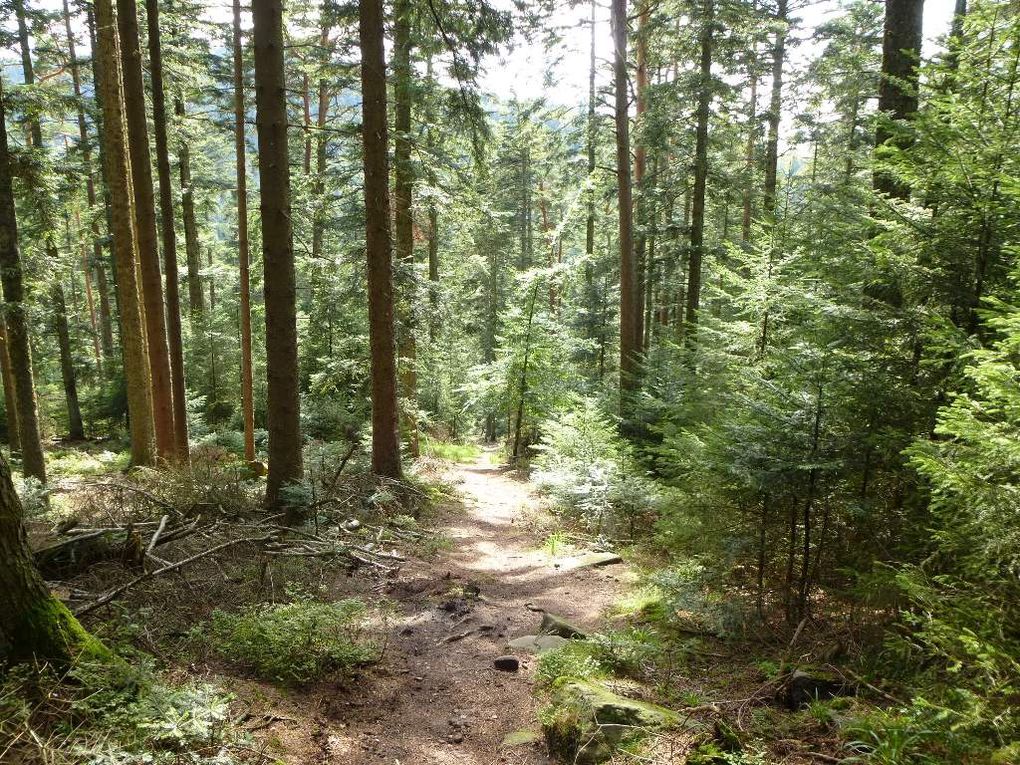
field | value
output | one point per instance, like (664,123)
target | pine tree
(283,414)
(385,441)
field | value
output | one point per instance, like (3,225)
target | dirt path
(437,699)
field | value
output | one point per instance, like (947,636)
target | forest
(450,382)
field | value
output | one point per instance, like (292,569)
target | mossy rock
(586,722)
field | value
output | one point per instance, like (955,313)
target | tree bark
(118,179)
(629,304)
(403,222)
(75,429)
(241,166)
(85,145)
(16,317)
(10,396)
(897,91)
(166,208)
(145,231)
(775,110)
(752,119)
(591,292)
(34,626)
(385,442)
(57,304)
(700,170)
(283,411)
(640,160)
(192,249)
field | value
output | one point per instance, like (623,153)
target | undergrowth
(295,642)
(115,714)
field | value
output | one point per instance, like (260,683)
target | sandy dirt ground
(436,698)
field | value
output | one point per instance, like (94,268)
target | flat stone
(557,625)
(521,738)
(598,559)
(537,644)
(507,663)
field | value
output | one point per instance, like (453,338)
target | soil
(436,697)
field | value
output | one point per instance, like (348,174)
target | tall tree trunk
(700,170)
(75,429)
(85,145)
(57,303)
(166,208)
(90,303)
(591,291)
(752,129)
(897,91)
(283,413)
(640,159)
(775,110)
(192,247)
(145,228)
(629,304)
(34,625)
(110,316)
(10,396)
(321,143)
(16,318)
(118,179)
(385,441)
(241,166)
(403,223)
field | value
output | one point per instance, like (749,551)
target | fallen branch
(156,534)
(117,591)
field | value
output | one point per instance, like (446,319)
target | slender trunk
(897,91)
(318,186)
(306,103)
(700,170)
(118,178)
(403,224)
(805,579)
(385,441)
(75,429)
(591,321)
(49,234)
(145,229)
(85,145)
(283,412)
(90,303)
(762,552)
(629,303)
(192,247)
(775,110)
(516,454)
(640,154)
(752,129)
(241,168)
(10,396)
(166,209)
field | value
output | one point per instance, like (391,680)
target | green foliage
(296,642)
(590,471)
(452,452)
(114,714)
(575,659)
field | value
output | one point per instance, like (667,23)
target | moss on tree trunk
(33,624)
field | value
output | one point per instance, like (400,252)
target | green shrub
(294,642)
(575,659)
(590,472)
(113,714)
